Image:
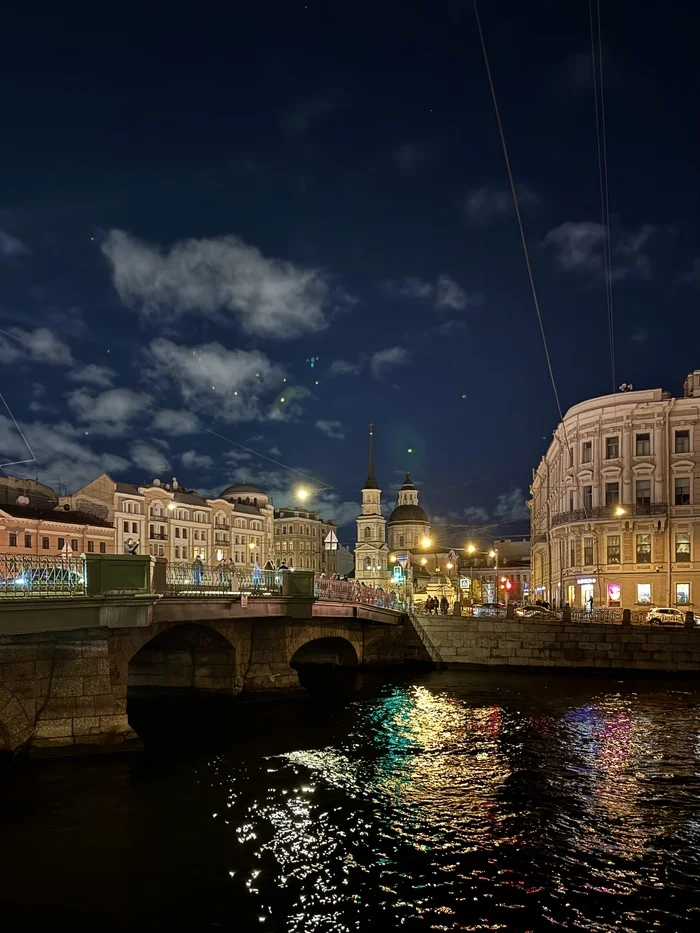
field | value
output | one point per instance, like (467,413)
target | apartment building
(615,507)
(300,541)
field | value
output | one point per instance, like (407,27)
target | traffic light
(509,584)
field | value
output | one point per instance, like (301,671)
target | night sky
(197,204)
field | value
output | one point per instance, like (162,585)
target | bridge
(77,638)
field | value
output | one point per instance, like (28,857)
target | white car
(664,615)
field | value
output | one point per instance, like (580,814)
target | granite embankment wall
(507,643)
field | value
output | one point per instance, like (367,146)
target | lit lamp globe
(426,542)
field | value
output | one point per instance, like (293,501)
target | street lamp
(426,542)
(619,511)
(494,556)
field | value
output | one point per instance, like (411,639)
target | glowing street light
(471,548)
(171,506)
(450,565)
(619,511)
(392,558)
(424,561)
(492,554)
(252,545)
(426,542)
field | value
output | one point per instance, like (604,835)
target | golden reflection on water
(434,798)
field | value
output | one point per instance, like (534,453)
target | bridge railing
(194,580)
(38,575)
(352,591)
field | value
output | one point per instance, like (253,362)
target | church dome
(408,514)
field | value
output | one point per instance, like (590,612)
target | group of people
(438,606)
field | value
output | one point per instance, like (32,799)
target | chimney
(691,386)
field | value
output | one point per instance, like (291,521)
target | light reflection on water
(454,802)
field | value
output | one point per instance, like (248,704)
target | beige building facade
(615,507)
(300,541)
(179,524)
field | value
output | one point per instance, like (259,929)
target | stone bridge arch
(327,651)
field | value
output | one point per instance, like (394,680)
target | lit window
(613,594)
(682,547)
(682,594)
(643,492)
(643,549)
(612,494)
(613,549)
(644,594)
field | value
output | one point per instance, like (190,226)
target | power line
(601,140)
(517,206)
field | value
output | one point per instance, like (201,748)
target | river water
(443,801)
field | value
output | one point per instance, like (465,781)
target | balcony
(158,537)
(606,513)
(222,526)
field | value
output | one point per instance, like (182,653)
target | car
(538,612)
(665,615)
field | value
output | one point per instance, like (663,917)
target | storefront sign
(582,581)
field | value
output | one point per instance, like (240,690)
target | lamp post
(494,556)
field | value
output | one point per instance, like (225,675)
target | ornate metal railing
(607,512)
(194,580)
(35,575)
(354,592)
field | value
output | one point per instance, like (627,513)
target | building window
(571,502)
(588,552)
(203,536)
(571,456)
(368,563)
(613,594)
(134,527)
(682,490)
(587,452)
(643,445)
(587,498)
(401,541)
(177,550)
(682,547)
(612,494)
(103,547)
(682,442)
(27,540)
(682,594)
(74,544)
(643,549)
(91,547)
(184,553)
(644,594)
(612,447)
(61,543)
(643,492)
(368,533)
(613,549)
(13,540)
(572,553)
(184,532)
(177,532)
(126,527)
(45,544)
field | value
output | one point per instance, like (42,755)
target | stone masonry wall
(501,642)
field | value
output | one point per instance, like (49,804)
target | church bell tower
(371,550)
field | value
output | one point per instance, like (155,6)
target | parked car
(538,612)
(41,578)
(665,615)
(489,609)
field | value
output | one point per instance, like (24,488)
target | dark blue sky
(191,197)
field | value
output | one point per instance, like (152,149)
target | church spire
(371,482)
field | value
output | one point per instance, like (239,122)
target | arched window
(401,541)
(368,563)
(368,533)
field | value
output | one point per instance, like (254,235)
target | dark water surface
(448,801)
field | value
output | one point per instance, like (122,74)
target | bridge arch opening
(188,658)
(326,665)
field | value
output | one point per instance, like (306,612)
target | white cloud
(511,506)
(270,298)
(331,428)
(175,422)
(108,412)
(60,456)
(235,385)
(383,362)
(148,458)
(445,294)
(192,460)
(486,204)
(10,245)
(344,368)
(579,247)
(92,374)
(38,346)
